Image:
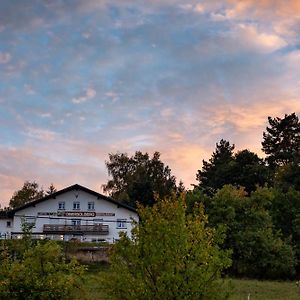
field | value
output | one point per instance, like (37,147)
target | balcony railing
(97,229)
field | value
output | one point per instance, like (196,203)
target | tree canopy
(172,255)
(243,168)
(281,140)
(138,178)
(217,170)
(29,192)
(51,190)
(259,249)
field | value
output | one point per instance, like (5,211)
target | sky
(80,79)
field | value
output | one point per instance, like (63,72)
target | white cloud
(265,42)
(90,93)
(198,7)
(42,135)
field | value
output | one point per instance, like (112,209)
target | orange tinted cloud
(282,8)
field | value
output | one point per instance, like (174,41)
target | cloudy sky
(83,78)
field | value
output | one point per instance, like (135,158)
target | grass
(264,290)
(258,290)
(91,281)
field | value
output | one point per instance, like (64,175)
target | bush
(42,273)
(171,255)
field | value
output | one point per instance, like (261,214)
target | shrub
(41,273)
(172,255)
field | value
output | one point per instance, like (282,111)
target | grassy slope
(264,290)
(259,290)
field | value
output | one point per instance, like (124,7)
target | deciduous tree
(29,192)
(172,255)
(138,178)
(248,171)
(259,250)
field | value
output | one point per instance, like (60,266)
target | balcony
(98,229)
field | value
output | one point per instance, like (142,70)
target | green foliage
(285,211)
(138,178)
(29,192)
(171,255)
(41,273)
(287,176)
(281,141)
(217,170)
(258,248)
(249,171)
(243,169)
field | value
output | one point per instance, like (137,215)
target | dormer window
(91,205)
(61,205)
(76,205)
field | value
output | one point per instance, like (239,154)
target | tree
(29,192)
(242,169)
(172,255)
(285,212)
(259,250)
(138,178)
(51,190)
(249,171)
(281,141)
(41,273)
(217,170)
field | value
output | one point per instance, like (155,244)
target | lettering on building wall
(47,214)
(105,214)
(77,214)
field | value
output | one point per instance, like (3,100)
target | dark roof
(70,188)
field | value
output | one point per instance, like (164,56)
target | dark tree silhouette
(138,178)
(29,192)
(281,140)
(217,170)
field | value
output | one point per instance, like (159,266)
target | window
(121,223)
(76,222)
(29,221)
(76,205)
(91,206)
(8,224)
(61,205)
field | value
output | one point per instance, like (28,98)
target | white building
(75,212)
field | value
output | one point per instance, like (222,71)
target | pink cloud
(5,57)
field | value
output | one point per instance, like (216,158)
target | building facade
(75,212)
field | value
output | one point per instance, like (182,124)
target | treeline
(257,201)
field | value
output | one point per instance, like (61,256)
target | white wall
(51,206)
(4,229)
